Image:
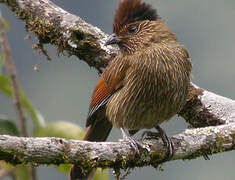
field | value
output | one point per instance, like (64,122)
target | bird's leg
(167,141)
(135,144)
(160,134)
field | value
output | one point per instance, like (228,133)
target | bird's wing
(109,82)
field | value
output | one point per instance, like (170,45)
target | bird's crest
(130,11)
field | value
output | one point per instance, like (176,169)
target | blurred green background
(62,87)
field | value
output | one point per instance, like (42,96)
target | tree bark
(71,34)
(190,144)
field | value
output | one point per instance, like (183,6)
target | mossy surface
(74,40)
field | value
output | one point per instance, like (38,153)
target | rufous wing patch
(100,96)
(110,82)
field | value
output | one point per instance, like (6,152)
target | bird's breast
(153,91)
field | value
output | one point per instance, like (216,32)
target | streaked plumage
(146,83)
(153,90)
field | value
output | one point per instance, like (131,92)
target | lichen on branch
(188,145)
(71,34)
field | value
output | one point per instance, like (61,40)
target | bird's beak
(113,39)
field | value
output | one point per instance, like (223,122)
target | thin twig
(7,58)
(70,33)
(32,173)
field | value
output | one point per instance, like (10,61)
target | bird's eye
(132,29)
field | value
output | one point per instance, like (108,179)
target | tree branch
(190,144)
(67,32)
(204,108)
(70,33)
(6,52)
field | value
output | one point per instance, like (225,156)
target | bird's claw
(134,143)
(166,140)
(150,135)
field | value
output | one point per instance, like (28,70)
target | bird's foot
(166,140)
(135,144)
(150,135)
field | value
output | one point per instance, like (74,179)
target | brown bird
(144,85)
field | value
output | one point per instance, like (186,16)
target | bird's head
(135,25)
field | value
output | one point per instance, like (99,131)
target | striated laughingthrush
(145,84)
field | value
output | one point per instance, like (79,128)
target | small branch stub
(70,33)
(188,145)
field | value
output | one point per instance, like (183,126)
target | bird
(144,85)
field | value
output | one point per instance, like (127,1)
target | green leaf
(5,88)
(5,85)
(8,127)
(64,168)
(61,129)
(101,174)
(67,130)
(1,63)
(5,165)
(37,118)
(22,172)
(5,24)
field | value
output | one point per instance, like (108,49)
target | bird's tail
(98,132)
